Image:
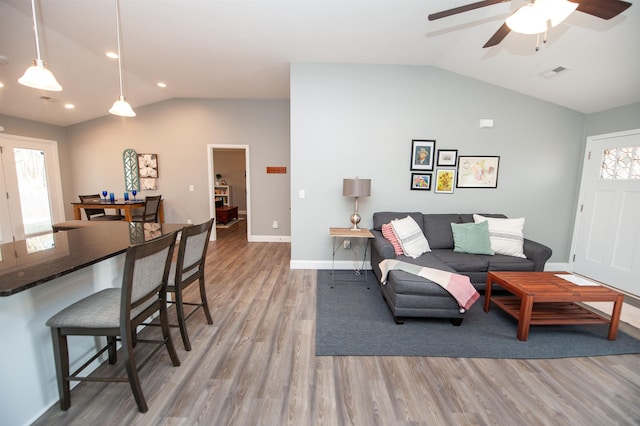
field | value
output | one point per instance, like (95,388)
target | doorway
(229,182)
(30,176)
(606,242)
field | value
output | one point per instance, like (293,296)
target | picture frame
(420,181)
(447,157)
(148,184)
(445,181)
(148,165)
(479,171)
(422,153)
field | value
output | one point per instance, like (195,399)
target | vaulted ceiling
(242,49)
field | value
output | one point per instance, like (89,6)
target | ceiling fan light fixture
(38,76)
(528,19)
(122,108)
(556,11)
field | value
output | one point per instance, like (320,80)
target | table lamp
(356,188)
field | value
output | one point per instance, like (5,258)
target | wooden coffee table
(542,298)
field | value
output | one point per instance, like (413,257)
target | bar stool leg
(61,356)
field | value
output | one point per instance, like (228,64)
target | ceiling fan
(536,16)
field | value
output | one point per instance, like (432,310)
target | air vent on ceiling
(553,72)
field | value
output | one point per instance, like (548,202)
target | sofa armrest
(536,252)
(382,246)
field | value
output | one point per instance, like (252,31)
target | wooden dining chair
(116,313)
(188,269)
(97,214)
(150,211)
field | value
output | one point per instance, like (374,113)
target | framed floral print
(148,165)
(445,180)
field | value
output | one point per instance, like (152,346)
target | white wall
(359,120)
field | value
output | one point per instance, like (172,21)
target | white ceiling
(242,49)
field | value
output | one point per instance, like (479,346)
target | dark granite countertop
(34,261)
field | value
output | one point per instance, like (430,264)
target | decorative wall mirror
(131,176)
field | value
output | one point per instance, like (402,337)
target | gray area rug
(354,321)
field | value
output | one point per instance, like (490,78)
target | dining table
(126,206)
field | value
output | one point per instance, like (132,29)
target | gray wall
(359,120)
(613,120)
(179,131)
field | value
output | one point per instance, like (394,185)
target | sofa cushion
(463,262)
(437,229)
(380,218)
(411,237)
(387,232)
(507,235)
(471,238)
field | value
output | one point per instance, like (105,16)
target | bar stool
(188,269)
(115,313)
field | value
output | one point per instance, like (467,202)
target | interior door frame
(583,183)
(212,174)
(54,179)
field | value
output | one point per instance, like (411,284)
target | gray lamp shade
(356,187)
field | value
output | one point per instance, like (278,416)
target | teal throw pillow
(471,238)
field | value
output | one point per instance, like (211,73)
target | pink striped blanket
(459,286)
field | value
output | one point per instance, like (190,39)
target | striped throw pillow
(387,232)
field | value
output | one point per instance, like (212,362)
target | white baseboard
(326,264)
(269,238)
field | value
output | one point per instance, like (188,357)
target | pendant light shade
(120,107)
(37,75)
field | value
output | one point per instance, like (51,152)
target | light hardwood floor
(257,366)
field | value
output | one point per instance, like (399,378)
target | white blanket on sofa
(459,286)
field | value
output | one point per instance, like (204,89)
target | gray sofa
(409,295)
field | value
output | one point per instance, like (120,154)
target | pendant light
(37,75)
(120,106)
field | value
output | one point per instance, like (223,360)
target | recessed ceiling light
(112,55)
(161,84)
(1,85)
(69,106)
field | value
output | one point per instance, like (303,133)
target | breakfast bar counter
(40,276)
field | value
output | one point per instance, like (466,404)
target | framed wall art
(422,153)
(445,179)
(421,181)
(148,165)
(447,157)
(478,172)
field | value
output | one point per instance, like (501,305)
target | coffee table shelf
(551,313)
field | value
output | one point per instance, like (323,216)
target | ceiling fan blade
(465,8)
(605,9)
(499,35)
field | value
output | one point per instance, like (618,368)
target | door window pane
(621,163)
(34,194)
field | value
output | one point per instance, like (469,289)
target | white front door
(31,197)
(607,231)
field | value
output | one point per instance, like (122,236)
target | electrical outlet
(346,244)
(275,225)
(189,222)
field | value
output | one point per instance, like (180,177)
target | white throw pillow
(411,237)
(506,235)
